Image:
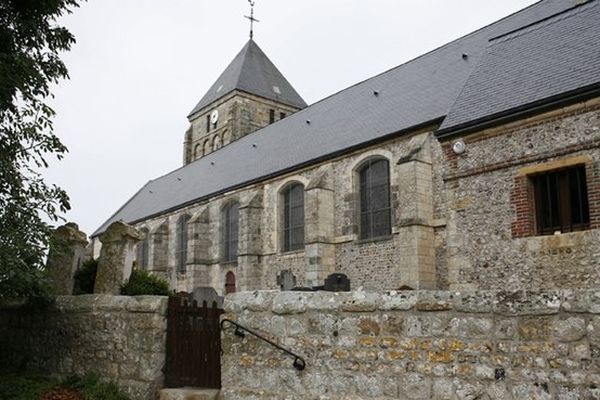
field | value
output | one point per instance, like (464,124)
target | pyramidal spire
(252,72)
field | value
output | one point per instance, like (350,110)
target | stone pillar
(319,230)
(116,257)
(414,215)
(250,268)
(67,251)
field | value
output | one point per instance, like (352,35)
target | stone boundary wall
(120,338)
(415,345)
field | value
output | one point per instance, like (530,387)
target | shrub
(141,282)
(85,277)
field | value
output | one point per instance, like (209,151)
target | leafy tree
(30,42)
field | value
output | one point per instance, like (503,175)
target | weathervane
(251,18)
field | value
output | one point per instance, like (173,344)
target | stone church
(473,166)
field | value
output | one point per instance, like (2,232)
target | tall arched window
(206,146)
(375,210)
(230,232)
(197,150)
(230,283)
(182,242)
(293,217)
(142,250)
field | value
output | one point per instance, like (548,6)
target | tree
(30,42)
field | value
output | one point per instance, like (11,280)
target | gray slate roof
(251,71)
(554,57)
(410,95)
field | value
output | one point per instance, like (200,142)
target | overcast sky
(140,66)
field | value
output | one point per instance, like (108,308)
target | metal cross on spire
(251,18)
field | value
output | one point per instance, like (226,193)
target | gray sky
(140,66)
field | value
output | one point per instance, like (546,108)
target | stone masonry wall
(331,234)
(121,338)
(415,345)
(491,220)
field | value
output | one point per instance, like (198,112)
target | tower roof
(251,71)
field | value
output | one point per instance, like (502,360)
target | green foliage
(94,389)
(32,387)
(141,282)
(85,277)
(30,42)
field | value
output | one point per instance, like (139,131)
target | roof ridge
(545,19)
(245,50)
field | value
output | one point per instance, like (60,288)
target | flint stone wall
(121,338)
(415,345)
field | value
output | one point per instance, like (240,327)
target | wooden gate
(193,344)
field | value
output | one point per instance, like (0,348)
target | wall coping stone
(505,303)
(102,302)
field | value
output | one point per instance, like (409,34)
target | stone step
(189,393)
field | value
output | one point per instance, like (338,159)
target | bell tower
(250,94)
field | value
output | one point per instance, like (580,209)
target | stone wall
(121,338)
(491,220)
(415,345)
(332,243)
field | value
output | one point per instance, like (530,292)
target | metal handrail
(299,362)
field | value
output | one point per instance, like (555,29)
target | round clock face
(214,116)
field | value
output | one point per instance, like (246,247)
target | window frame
(543,198)
(288,229)
(367,233)
(229,251)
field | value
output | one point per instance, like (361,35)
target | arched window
(182,242)
(226,137)
(230,232)
(293,217)
(197,150)
(216,142)
(142,250)
(375,210)
(230,283)
(206,146)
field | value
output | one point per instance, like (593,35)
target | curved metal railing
(298,363)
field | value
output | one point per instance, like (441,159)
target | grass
(33,387)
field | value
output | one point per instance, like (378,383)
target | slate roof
(251,71)
(555,57)
(410,95)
